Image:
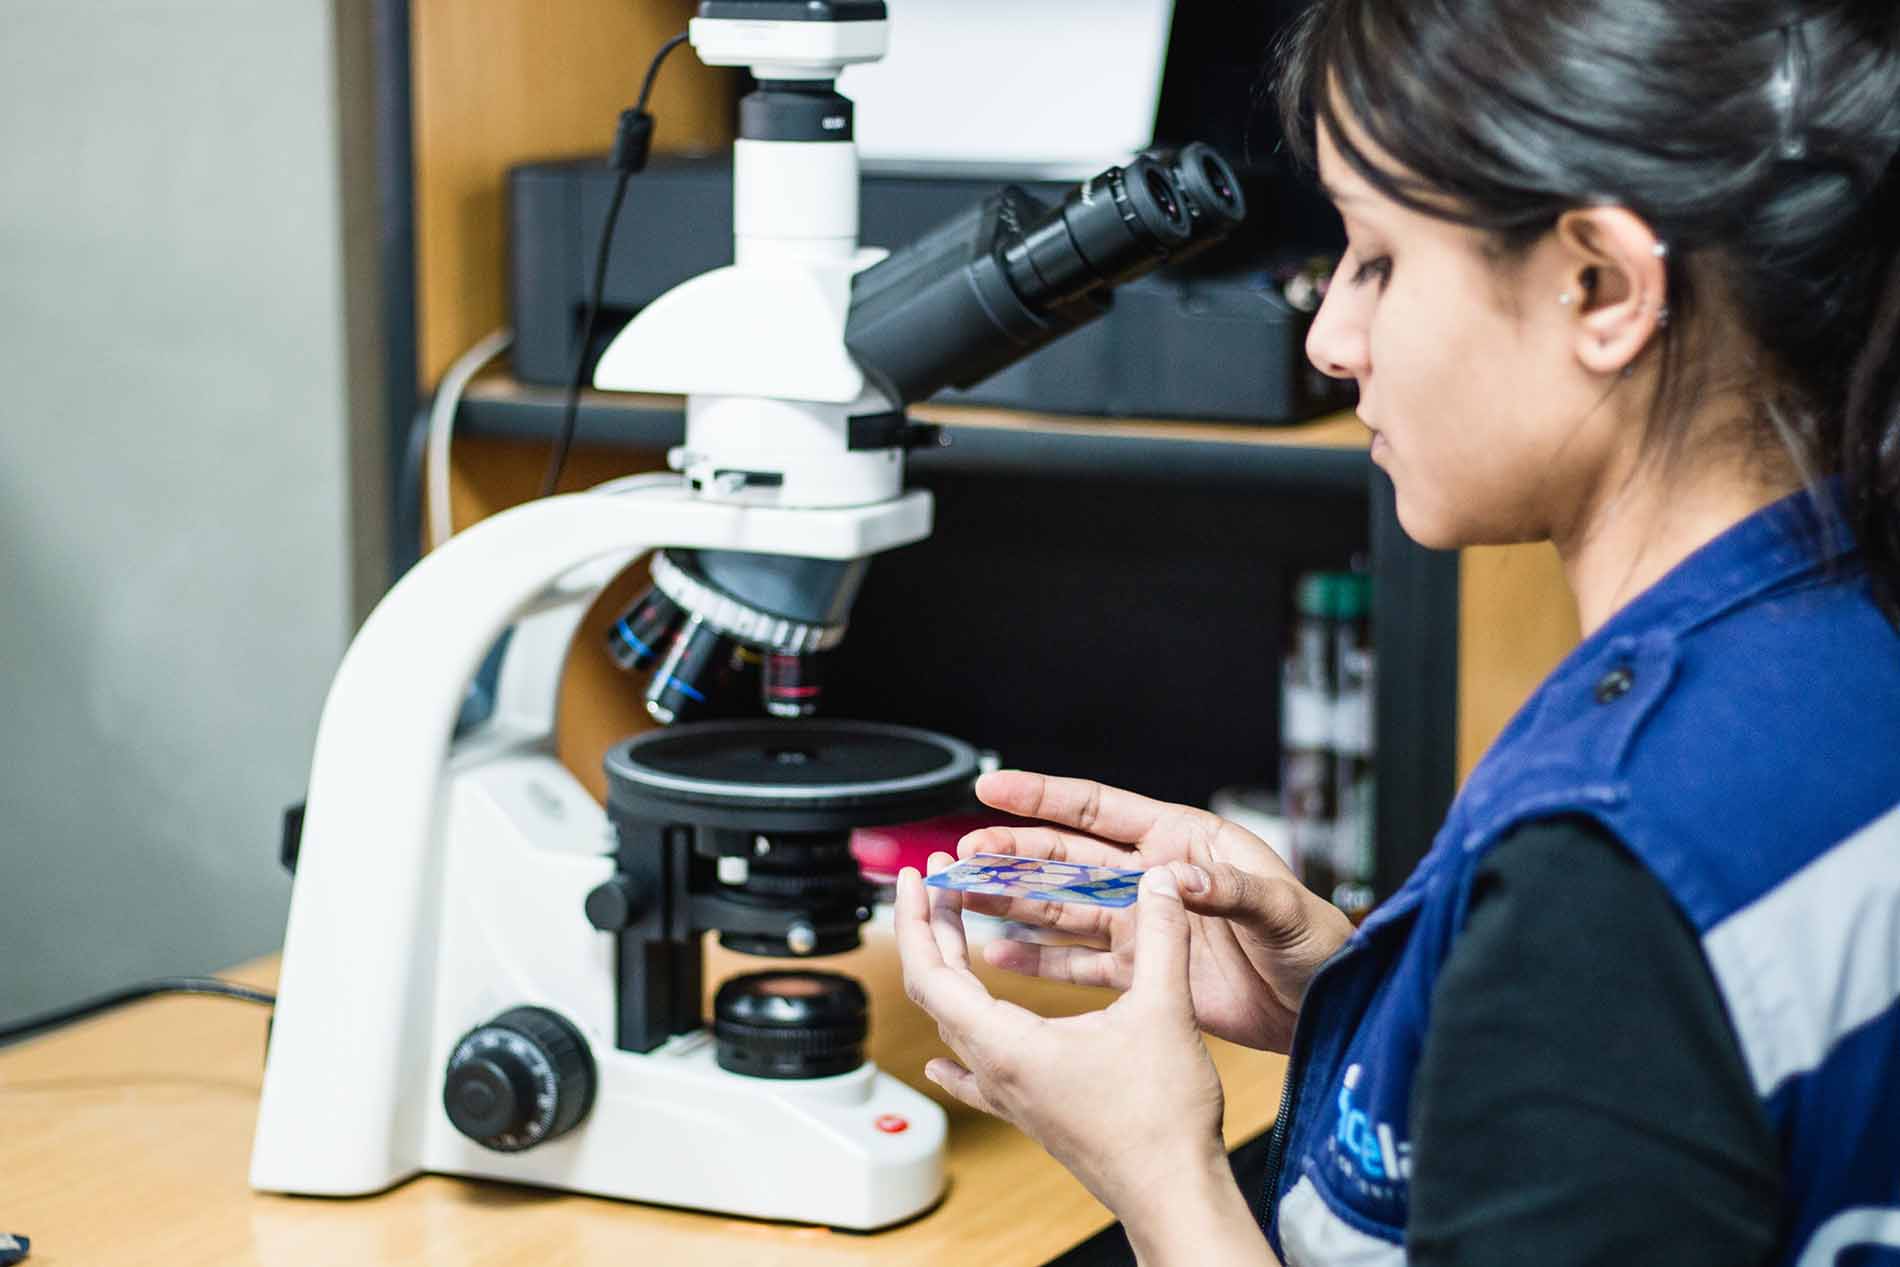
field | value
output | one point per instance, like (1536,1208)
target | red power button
(891,1124)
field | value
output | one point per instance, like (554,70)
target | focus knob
(523,1079)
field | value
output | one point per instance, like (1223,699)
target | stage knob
(523,1079)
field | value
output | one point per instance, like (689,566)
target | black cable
(653,69)
(130,994)
(631,143)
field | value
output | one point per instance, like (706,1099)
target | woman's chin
(1429,528)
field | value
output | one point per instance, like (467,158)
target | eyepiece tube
(987,288)
(1212,191)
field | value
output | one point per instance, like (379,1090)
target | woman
(1623,275)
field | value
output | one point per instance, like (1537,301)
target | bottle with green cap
(1355,671)
(1308,760)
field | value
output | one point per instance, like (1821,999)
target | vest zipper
(1297,1060)
(1276,1144)
(1277,1140)
(1283,1124)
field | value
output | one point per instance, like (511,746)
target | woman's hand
(1257,935)
(1126,1098)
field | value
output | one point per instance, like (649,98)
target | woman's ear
(1617,283)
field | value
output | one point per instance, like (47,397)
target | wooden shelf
(1342,432)
(1329,454)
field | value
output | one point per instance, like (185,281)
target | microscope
(487,973)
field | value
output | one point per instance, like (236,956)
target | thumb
(1271,906)
(1161,944)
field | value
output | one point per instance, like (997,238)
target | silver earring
(1661,250)
(1662,317)
(1566,299)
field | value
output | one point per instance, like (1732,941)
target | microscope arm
(353,1018)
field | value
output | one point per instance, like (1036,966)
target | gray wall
(191,503)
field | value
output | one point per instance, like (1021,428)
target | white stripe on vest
(1862,1228)
(1313,1236)
(1815,958)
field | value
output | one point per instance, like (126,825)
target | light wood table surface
(126,1140)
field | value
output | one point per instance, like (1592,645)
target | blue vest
(1737,727)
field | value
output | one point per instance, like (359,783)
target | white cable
(448,399)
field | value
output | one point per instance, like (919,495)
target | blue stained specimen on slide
(1005,875)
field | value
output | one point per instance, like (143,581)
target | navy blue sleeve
(1581,1097)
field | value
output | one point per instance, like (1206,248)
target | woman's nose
(1336,342)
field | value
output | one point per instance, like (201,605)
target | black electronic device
(1220,337)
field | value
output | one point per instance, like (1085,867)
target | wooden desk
(126,1140)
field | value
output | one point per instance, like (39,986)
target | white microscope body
(441,880)
(437,971)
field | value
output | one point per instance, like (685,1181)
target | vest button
(1615,684)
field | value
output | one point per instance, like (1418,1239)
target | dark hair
(1757,138)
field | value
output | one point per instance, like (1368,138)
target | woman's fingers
(946,918)
(964,1011)
(1037,936)
(1078,965)
(1276,909)
(960,1083)
(1049,843)
(1073,919)
(1083,804)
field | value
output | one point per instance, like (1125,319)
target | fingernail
(1161,883)
(1193,879)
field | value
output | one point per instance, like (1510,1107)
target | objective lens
(732,610)
(639,638)
(676,691)
(790,1024)
(790,685)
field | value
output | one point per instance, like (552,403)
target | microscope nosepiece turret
(732,632)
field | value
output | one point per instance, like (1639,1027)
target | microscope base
(859,1151)
(670,1127)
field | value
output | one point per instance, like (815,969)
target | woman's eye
(1378,269)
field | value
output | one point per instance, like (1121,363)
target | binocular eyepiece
(985,289)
